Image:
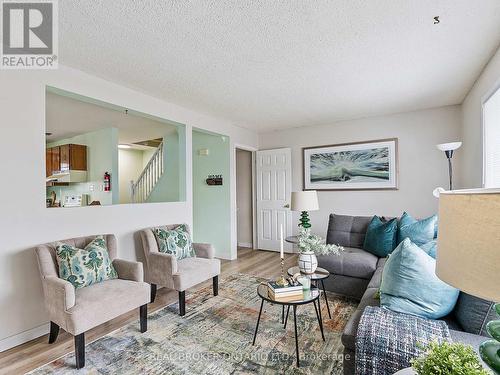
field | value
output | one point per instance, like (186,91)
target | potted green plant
(448,359)
(311,245)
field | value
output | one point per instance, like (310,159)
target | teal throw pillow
(410,285)
(176,242)
(430,248)
(84,267)
(418,231)
(380,237)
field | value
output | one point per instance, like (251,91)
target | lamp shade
(451,146)
(468,250)
(305,201)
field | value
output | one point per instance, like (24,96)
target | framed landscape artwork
(352,166)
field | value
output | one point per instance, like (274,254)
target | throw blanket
(386,340)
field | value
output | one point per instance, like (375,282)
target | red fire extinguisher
(107,182)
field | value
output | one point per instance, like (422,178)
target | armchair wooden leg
(182,303)
(143,314)
(153,292)
(215,282)
(54,332)
(80,350)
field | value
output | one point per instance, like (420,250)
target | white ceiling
(275,64)
(67,117)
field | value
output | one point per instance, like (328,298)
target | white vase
(308,262)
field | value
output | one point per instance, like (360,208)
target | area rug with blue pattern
(215,337)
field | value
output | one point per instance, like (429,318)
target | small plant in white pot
(311,245)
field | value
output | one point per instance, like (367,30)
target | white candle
(281,242)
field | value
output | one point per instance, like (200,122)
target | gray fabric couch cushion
(352,262)
(472,313)
(376,279)
(451,322)
(467,338)
(346,285)
(347,230)
(351,328)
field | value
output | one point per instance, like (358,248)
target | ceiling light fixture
(124,147)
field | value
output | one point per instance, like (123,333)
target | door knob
(286,206)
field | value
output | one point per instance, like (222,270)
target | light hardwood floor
(38,352)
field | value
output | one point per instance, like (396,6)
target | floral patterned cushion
(84,267)
(176,242)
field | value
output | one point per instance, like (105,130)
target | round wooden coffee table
(316,278)
(309,296)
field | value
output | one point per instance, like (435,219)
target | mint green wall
(172,185)
(102,156)
(211,204)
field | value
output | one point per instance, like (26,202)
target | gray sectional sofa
(357,273)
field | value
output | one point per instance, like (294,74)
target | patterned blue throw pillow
(418,231)
(176,242)
(84,267)
(380,238)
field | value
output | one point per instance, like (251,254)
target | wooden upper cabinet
(66,157)
(64,153)
(48,162)
(56,159)
(78,157)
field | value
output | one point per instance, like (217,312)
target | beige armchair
(78,310)
(165,270)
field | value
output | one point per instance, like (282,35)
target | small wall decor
(352,166)
(214,179)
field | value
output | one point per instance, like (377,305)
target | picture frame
(367,165)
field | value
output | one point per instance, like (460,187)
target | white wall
(130,166)
(421,166)
(471,168)
(24,220)
(244,197)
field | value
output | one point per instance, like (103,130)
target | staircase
(142,188)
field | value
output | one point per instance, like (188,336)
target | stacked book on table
(287,293)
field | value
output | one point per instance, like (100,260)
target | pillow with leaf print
(84,267)
(176,242)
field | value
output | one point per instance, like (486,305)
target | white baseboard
(245,244)
(21,338)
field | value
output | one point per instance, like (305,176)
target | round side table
(310,296)
(317,278)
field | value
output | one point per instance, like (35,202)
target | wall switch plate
(91,187)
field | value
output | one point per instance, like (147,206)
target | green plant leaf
(448,359)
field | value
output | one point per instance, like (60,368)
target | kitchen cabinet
(65,158)
(52,160)
(48,162)
(73,157)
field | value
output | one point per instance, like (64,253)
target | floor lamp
(448,149)
(468,255)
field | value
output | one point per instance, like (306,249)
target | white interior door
(274,184)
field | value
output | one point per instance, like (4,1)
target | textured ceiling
(274,64)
